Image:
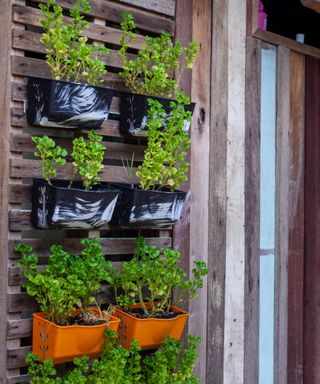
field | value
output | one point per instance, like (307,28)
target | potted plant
(155,201)
(155,74)
(72,204)
(150,277)
(72,98)
(67,326)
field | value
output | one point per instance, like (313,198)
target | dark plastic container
(134,111)
(57,206)
(140,208)
(53,103)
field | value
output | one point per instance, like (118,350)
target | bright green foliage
(116,364)
(87,157)
(164,163)
(154,69)
(158,271)
(78,374)
(172,364)
(52,156)
(68,281)
(69,55)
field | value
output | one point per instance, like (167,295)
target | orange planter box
(64,343)
(149,332)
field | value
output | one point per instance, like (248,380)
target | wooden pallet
(105,16)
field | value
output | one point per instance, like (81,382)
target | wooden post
(5,86)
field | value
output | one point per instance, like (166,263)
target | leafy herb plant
(68,281)
(158,271)
(52,156)
(69,55)
(153,71)
(164,163)
(172,363)
(87,157)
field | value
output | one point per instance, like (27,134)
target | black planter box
(57,206)
(53,103)
(134,111)
(140,208)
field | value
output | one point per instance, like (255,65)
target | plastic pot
(64,343)
(150,332)
(57,206)
(53,103)
(140,208)
(134,110)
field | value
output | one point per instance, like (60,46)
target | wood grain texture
(31,16)
(112,11)
(217,192)
(283,206)
(166,7)
(235,209)
(199,171)
(311,326)
(5,79)
(296,218)
(276,39)
(252,210)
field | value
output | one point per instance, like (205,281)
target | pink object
(262,17)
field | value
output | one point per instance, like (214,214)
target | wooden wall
(22,55)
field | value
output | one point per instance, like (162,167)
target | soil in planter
(84,319)
(138,313)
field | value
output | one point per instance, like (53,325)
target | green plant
(52,156)
(158,271)
(69,55)
(165,163)
(152,72)
(172,364)
(68,281)
(87,157)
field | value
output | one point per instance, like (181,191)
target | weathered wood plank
(19,328)
(235,208)
(311,319)
(296,219)
(31,168)
(166,7)
(111,246)
(252,210)
(199,169)
(283,207)
(17,356)
(21,379)
(5,80)
(30,42)
(22,143)
(31,16)
(26,66)
(112,11)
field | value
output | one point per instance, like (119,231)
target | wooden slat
(31,16)
(296,220)
(117,151)
(31,168)
(217,193)
(111,246)
(199,171)
(311,309)
(19,328)
(111,11)
(252,209)
(30,42)
(17,356)
(5,80)
(166,7)
(26,66)
(283,208)
(21,379)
